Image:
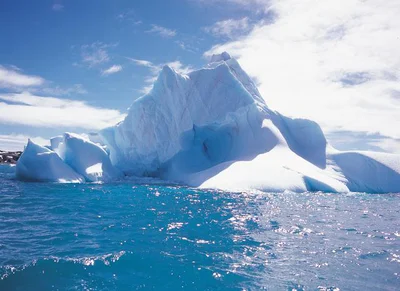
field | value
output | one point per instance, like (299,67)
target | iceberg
(211,128)
(40,164)
(69,158)
(87,158)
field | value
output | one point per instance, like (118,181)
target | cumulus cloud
(155,70)
(162,31)
(32,110)
(112,70)
(336,62)
(12,77)
(229,28)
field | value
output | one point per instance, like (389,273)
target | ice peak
(167,73)
(167,69)
(220,57)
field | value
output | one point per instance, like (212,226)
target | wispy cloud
(112,70)
(29,105)
(186,47)
(130,16)
(342,68)
(60,91)
(178,67)
(155,70)
(14,80)
(229,28)
(33,110)
(258,6)
(361,140)
(17,142)
(96,53)
(143,63)
(13,77)
(162,31)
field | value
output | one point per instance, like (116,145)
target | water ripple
(162,236)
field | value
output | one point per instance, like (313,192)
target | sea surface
(148,235)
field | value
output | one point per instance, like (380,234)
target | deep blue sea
(155,236)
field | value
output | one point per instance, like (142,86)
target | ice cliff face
(182,109)
(212,128)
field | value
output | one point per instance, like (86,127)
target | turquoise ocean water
(146,235)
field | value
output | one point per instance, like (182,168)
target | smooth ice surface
(70,158)
(88,159)
(212,128)
(39,163)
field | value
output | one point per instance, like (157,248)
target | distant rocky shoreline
(9,157)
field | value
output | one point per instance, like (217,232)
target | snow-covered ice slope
(212,128)
(368,171)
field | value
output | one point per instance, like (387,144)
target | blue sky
(51,42)
(78,65)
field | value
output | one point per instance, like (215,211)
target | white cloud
(11,78)
(155,69)
(38,111)
(95,53)
(60,91)
(250,5)
(351,140)
(143,63)
(162,31)
(179,67)
(17,142)
(186,47)
(112,70)
(388,145)
(130,16)
(336,62)
(229,28)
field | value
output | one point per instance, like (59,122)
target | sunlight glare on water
(131,236)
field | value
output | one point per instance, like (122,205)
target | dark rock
(9,157)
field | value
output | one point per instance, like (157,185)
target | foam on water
(131,235)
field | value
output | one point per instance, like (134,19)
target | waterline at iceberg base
(211,128)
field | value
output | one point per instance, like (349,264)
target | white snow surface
(212,128)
